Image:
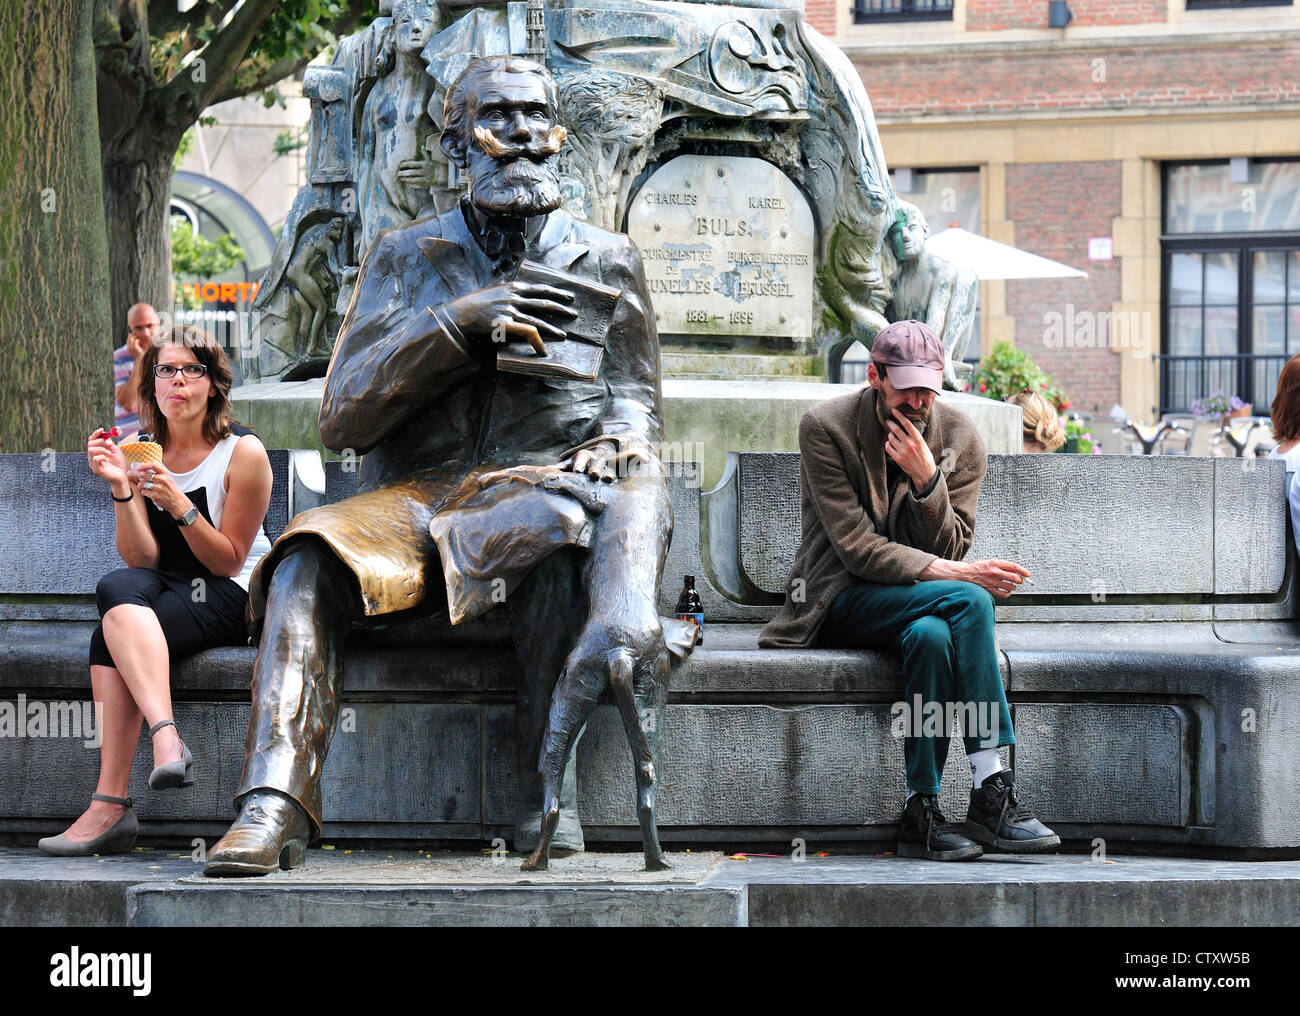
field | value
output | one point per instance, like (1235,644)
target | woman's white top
(210,474)
(1292,460)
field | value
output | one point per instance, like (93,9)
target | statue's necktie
(505,247)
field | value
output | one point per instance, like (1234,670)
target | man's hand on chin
(905,445)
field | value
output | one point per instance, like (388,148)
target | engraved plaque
(728,248)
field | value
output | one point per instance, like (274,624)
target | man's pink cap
(912,353)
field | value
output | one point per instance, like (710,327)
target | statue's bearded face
(511,150)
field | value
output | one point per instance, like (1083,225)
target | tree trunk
(56,379)
(137,199)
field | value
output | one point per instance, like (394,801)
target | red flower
(1065,405)
(984,388)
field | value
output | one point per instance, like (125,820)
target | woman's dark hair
(1285,410)
(216,422)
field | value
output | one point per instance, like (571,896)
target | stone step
(717,366)
(732,376)
(391,887)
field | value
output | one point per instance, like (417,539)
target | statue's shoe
(568,833)
(270,833)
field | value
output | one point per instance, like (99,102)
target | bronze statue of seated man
(414,386)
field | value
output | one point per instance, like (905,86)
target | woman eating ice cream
(189,527)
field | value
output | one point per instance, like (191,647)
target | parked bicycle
(1152,439)
(1239,440)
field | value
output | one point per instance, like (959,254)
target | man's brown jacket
(856,525)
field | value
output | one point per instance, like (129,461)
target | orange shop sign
(225,292)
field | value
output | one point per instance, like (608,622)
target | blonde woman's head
(1043,431)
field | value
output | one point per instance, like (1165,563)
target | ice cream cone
(142,451)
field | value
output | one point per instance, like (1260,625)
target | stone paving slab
(450,889)
(437,906)
(420,888)
(996,869)
(1048,890)
(460,868)
(41,891)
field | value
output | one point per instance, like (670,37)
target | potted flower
(1008,371)
(1078,438)
(1221,407)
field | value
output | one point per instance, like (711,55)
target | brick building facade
(1073,135)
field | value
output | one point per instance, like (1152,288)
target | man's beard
(920,418)
(518,187)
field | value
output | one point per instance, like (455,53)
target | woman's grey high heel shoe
(171,774)
(117,840)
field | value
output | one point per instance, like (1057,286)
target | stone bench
(1128,696)
(1154,666)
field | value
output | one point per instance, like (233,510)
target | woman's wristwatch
(190,517)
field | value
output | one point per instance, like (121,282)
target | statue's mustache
(547,147)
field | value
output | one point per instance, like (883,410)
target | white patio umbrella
(989,259)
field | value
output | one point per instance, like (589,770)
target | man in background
(141,324)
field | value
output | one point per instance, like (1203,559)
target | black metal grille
(902,10)
(1184,379)
(1209,5)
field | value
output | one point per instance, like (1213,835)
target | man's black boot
(996,819)
(924,832)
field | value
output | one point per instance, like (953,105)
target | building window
(1210,5)
(866,11)
(1231,307)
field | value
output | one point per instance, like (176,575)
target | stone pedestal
(703,420)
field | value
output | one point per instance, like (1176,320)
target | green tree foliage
(159,69)
(289,141)
(195,258)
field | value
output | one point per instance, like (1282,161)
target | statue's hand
(416,172)
(513,310)
(607,460)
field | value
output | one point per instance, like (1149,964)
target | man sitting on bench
(890,484)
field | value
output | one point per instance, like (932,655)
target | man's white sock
(910,794)
(984,764)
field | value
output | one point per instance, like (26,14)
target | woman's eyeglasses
(193,371)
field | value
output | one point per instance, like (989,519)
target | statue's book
(578,356)
(571,359)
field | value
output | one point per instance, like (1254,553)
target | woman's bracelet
(121,500)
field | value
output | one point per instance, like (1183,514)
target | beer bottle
(689,607)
